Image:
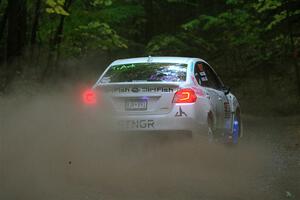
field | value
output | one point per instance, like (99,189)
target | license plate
(136,104)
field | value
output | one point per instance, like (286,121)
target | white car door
(207,78)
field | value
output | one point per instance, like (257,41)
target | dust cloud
(52,147)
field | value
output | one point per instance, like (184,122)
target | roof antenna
(149,59)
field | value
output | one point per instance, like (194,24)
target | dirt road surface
(52,150)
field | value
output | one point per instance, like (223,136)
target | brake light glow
(186,95)
(89,97)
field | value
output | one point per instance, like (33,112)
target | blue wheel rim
(235,131)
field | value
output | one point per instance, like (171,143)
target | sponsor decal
(204,78)
(139,124)
(202,74)
(180,113)
(135,90)
(121,90)
(142,89)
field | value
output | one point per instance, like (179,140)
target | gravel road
(49,150)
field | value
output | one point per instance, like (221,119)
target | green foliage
(252,27)
(262,6)
(56,7)
(232,2)
(101,2)
(94,36)
(191,25)
(230,29)
(89,27)
(279,11)
(278,18)
(166,45)
(240,34)
(120,13)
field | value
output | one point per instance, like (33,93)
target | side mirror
(226,90)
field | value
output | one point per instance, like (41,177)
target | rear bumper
(155,123)
(182,119)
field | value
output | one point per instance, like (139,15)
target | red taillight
(186,95)
(89,97)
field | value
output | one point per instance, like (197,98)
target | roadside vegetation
(253,44)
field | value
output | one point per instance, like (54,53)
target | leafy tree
(246,40)
(56,7)
(94,36)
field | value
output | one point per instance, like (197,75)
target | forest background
(252,44)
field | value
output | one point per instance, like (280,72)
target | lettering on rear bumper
(136,124)
(142,89)
(180,113)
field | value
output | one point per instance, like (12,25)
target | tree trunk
(16,38)
(149,25)
(295,63)
(55,42)
(266,77)
(34,30)
(16,29)
(3,23)
(35,23)
(293,53)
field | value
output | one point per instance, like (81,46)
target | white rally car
(169,94)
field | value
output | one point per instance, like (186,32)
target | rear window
(138,72)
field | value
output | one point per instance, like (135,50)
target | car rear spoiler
(165,84)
